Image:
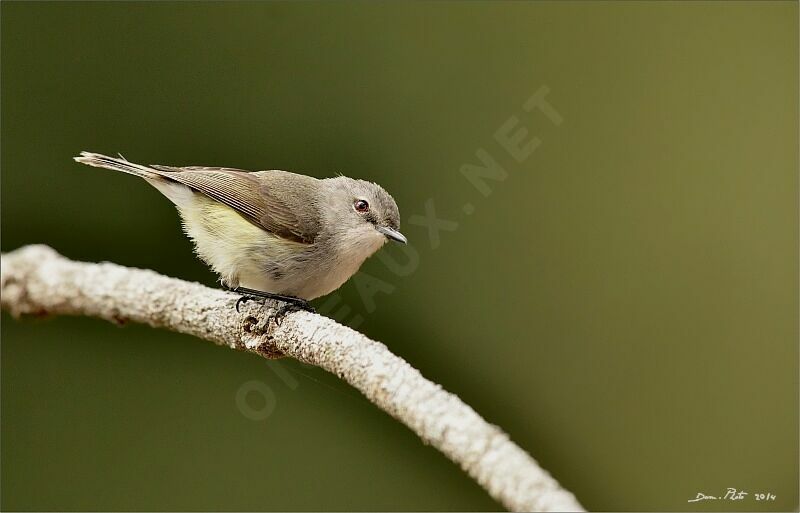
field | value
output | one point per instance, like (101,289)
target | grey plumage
(273,231)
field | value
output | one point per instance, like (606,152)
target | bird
(273,234)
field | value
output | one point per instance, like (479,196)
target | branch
(37,280)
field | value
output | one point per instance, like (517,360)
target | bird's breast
(334,263)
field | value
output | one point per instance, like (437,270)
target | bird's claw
(291,306)
(241,300)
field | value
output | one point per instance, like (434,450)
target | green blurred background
(624,304)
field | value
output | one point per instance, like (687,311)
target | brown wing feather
(262,198)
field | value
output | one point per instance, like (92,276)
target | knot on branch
(257,334)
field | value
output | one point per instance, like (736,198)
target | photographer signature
(732,494)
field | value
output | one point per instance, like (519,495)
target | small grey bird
(273,233)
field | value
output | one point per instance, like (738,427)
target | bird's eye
(361,206)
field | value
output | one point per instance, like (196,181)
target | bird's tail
(117,164)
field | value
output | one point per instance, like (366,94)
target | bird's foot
(291,303)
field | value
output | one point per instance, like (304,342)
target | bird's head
(360,213)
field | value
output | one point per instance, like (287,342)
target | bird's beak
(393,234)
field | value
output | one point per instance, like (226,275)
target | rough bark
(37,280)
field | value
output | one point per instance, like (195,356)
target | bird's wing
(259,197)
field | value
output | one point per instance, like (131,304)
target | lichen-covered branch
(37,280)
